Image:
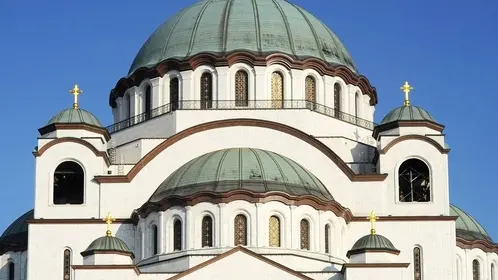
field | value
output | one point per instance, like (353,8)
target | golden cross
(75,91)
(372,218)
(406,88)
(108,220)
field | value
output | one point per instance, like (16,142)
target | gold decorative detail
(277,90)
(67,264)
(372,218)
(337,99)
(406,88)
(206,91)
(476,270)
(177,235)
(75,91)
(274,232)
(327,237)
(241,88)
(417,264)
(240,230)
(305,235)
(310,89)
(108,220)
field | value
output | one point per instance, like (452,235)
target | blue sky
(446,49)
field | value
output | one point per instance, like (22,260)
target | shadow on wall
(7,270)
(362,154)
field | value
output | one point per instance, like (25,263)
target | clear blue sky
(446,49)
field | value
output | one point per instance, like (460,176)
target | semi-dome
(107,244)
(15,237)
(252,170)
(261,27)
(408,113)
(372,243)
(75,116)
(467,227)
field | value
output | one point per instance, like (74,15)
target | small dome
(467,227)
(107,244)
(372,243)
(15,237)
(261,27)
(75,116)
(253,170)
(408,113)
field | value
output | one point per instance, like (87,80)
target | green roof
(258,26)
(107,244)
(248,169)
(467,227)
(15,237)
(408,113)
(372,242)
(74,116)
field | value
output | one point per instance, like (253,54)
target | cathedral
(244,147)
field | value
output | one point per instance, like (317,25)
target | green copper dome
(107,244)
(258,26)
(408,113)
(15,237)
(75,116)
(372,242)
(467,227)
(253,170)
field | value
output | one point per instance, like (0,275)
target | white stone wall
(20,261)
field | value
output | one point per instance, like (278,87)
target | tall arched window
(155,240)
(476,270)
(357,105)
(414,181)
(417,264)
(493,272)
(305,234)
(148,102)
(12,271)
(240,230)
(277,90)
(337,99)
(174,92)
(206,91)
(327,238)
(310,92)
(177,235)
(274,231)
(69,183)
(67,264)
(241,88)
(207,231)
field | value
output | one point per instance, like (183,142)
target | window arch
(148,102)
(174,92)
(12,271)
(414,181)
(327,238)
(69,183)
(67,264)
(206,90)
(177,235)
(417,264)
(155,240)
(207,231)
(357,105)
(305,234)
(241,88)
(337,98)
(240,230)
(476,270)
(274,232)
(277,90)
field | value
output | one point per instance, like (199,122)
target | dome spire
(75,91)
(108,220)
(372,218)
(406,88)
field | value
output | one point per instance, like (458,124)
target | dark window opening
(240,230)
(476,270)
(414,181)
(68,183)
(327,236)
(305,234)
(177,235)
(207,231)
(174,89)
(206,91)
(155,240)
(241,88)
(12,269)
(148,102)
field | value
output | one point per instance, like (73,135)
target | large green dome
(15,237)
(259,26)
(253,170)
(467,227)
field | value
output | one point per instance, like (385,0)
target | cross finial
(75,91)
(108,220)
(372,218)
(406,88)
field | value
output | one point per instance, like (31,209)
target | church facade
(244,147)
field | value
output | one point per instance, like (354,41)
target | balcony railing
(240,105)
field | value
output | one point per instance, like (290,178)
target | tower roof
(74,116)
(467,227)
(408,113)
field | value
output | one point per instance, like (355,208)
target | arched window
(174,92)
(241,88)
(493,273)
(155,240)
(67,264)
(305,234)
(327,238)
(148,102)
(337,99)
(240,230)
(476,270)
(414,181)
(12,271)
(277,90)
(206,91)
(274,232)
(69,183)
(207,231)
(177,235)
(417,264)
(357,105)
(310,92)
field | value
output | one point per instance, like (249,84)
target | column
(188,234)
(161,233)
(221,227)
